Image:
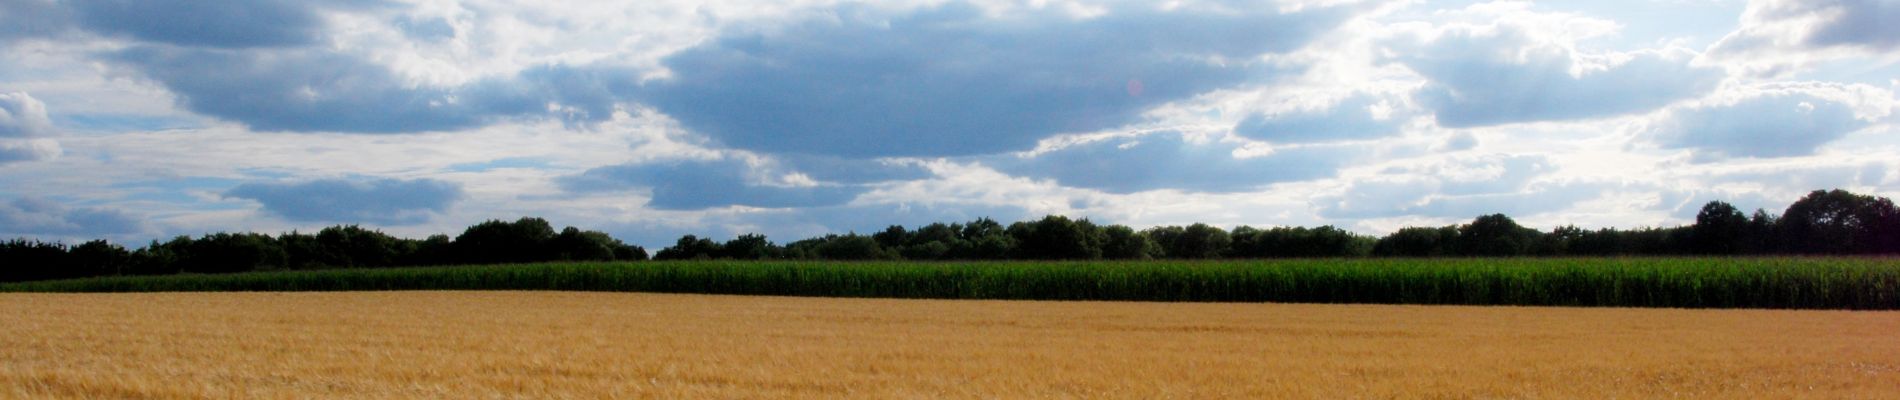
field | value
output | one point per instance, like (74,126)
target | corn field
(1810,283)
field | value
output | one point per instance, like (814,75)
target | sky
(133,120)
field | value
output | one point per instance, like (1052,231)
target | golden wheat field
(620,345)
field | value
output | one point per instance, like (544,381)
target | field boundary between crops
(1798,282)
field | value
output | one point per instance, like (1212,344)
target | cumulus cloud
(949,80)
(702,184)
(1782,121)
(22,150)
(1513,71)
(1458,187)
(378,201)
(1356,117)
(1172,161)
(34,216)
(23,126)
(1777,35)
(21,115)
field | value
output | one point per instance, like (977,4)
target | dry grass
(601,345)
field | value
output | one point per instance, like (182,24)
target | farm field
(1864,283)
(529,344)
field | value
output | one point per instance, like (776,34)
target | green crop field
(1821,283)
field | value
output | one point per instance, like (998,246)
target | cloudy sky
(141,119)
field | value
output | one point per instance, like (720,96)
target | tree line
(1835,222)
(343,246)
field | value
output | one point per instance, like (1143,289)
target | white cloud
(1514,65)
(21,115)
(1780,36)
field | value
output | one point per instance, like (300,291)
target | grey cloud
(32,18)
(1167,161)
(314,90)
(22,150)
(1472,82)
(1804,25)
(1771,125)
(1871,23)
(380,201)
(34,216)
(21,115)
(214,23)
(695,185)
(302,90)
(946,81)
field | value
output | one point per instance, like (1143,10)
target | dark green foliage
(1198,241)
(1822,283)
(574,244)
(1057,237)
(851,247)
(750,247)
(1416,242)
(25,260)
(1839,222)
(1123,243)
(1720,228)
(495,241)
(1494,235)
(1284,242)
(97,258)
(691,247)
(228,252)
(353,246)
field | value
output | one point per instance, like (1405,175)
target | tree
(437,249)
(1123,243)
(228,252)
(1194,241)
(1494,235)
(1417,242)
(573,244)
(28,260)
(691,247)
(852,247)
(750,246)
(97,258)
(1835,222)
(495,241)
(1324,241)
(1056,237)
(983,239)
(1720,228)
(353,246)
(892,237)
